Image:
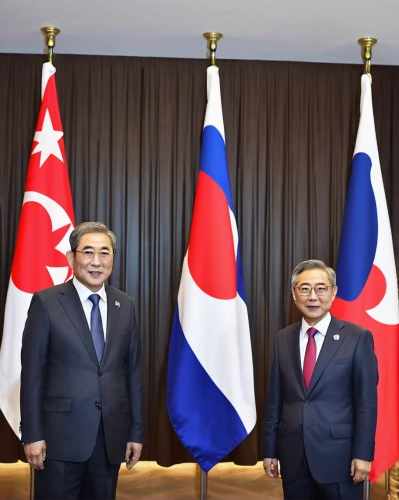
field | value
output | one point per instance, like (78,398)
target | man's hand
(271,467)
(133,452)
(360,470)
(36,454)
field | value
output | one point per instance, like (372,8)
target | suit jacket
(64,389)
(334,420)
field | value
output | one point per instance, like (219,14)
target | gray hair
(307,265)
(90,227)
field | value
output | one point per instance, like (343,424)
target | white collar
(84,292)
(322,325)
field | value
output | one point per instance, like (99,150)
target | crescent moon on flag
(59,218)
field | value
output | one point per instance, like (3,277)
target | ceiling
(285,30)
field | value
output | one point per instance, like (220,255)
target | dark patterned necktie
(310,356)
(96,326)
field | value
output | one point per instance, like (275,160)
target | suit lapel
(113,310)
(293,346)
(328,350)
(70,301)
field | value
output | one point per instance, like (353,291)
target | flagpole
(366,494)
(388,483)
(32,484)
(212,37)
(203,485)
(367,44)
(50,32)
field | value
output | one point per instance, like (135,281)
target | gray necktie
(96,324)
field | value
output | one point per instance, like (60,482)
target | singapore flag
(46,222)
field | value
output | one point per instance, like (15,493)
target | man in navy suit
(321,404)
(81,380)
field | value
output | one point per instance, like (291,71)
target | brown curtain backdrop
(132,135)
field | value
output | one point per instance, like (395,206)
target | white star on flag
(47,140)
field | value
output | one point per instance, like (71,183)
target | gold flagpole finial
(367,43)
(50,32)
(213,38)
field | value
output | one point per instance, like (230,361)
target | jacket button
(98,404)
(100,374)
(300,426)
(306,403)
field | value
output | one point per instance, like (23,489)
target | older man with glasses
(81,380)
(321,404)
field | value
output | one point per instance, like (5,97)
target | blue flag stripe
(213,160)
(359,232)
(207,438)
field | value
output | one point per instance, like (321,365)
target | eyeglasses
(104,256)
(319,290)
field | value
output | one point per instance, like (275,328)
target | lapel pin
(117,303)
(336,337)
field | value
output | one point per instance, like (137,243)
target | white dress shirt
(84,294)
(322,327)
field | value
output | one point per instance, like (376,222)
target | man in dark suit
(81,380)
(321,404)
